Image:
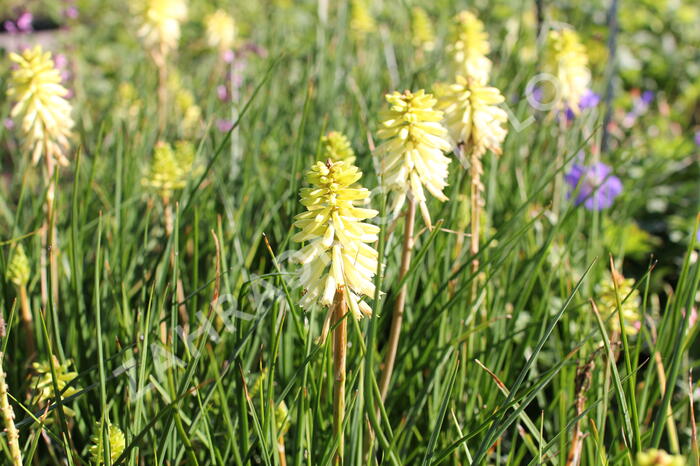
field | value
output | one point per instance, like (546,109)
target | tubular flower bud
(337,148)
(411,156)
(337,255)
(19,270)
(566,60)
(221,30)
(469,48)
(629,307)
(160,22)
(40,105)
(117,443)
(472,115)
(422,29)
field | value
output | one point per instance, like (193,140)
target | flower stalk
(340,344)
(399,306)
(8,417)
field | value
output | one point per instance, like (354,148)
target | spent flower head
(41,106)
(595,185)
(337,254)
(336,147)
(566,59)
(221,30)
(117,443)
(411,157)
(469,47)
(472,115)
(629,303)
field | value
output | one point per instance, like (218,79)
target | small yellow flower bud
(117,443)
(630,308)
(566,60)
(221,30)
(469,48)
(19,270)
(654,457)
(361,20)
(422,29)
(337,147)
(160,22)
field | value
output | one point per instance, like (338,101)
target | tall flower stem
(161,65)
(340,343)
(8,416)
(49,265)
(397,317)
(27,321)
(475,198)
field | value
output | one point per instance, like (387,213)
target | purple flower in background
(9,124)
(228,56)
(647,97)
(595,187)
(222,92)
(697,138)
(24,22)
(589,100)
(224,125)
(71,12)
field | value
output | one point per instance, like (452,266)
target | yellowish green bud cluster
(42,382)
(607,303)
(654,457)
(117,443)
(566,60)
(422,29)
(361,20)
(160,22)
(472,115)
(469,47)
(170,169)
(336,147)
(411,157)
(41,107)
(19,270)
(337,256)
(221,30)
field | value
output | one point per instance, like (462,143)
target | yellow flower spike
(221,30)
(361,20)
(336,147)
(41,107)
(654,457)
(566,59)
(469,47)
(630,307)
(42,381)
(117,443)
(422,29)
(170,169)
(19,270)
(160,22)
(337,254)
(411,157)
(472,115)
